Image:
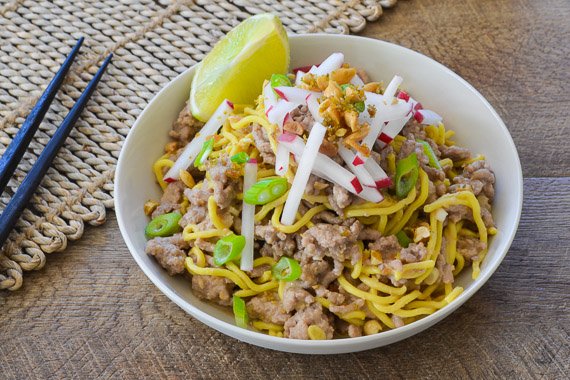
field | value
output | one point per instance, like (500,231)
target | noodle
(388,292)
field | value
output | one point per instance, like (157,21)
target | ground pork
(455,153)
(296,298)
(224,187)
(276,243)
(325,240)
(258,271)
(315,185)
(339,198)
(382,158)
(213,288)
(262,144)
(456,213)
(445,269)
(388,246)
(470,247)
(319,272)
(204,245)
(486,211)
(302,116)
(169,252)
(185,126)
(369,234)
(414,253)
(327,217)
(414,130)
(171,198)
(477,176)
(268,308)
(296,327)
(334,297)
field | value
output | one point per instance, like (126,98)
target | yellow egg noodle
(381,301)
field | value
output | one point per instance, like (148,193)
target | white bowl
(464,110)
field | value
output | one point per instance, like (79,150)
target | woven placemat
(153,41)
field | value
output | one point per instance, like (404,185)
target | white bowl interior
(464,110)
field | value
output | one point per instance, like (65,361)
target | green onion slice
(228,248)
(287,269)
(163,225)
(240,312)
(280,80)
(239,158)
(204,152)
(343,87)
(265,191)
(407,171)
(403,239)
(360,106)
(433,161)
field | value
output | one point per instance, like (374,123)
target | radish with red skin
(188,155)
(323,164)
(359,170)
(427,117)
(296,95)
(304,169)
(376,171)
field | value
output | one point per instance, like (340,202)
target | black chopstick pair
(13,154)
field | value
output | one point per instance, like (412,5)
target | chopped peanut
(372,87)
(328,148)
(421,233)
(351,119)
(322,82)
(340,132)
(294,127)
(332,90)
(149,207)
(171,147)
(320,185)
(343,75)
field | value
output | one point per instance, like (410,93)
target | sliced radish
(356,81)
(299,77)
(295,94)
(392,129)
(278,113)
(385,112)
(269,98)
(313,105)
(191,150)
(323,164)
(248,216)
(380,177)
(281,160)
(403,95)
(392,88)
(427,117)
(333,62)
(370,194)
(352,162)
(308,158)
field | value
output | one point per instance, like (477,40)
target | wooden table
(92,313)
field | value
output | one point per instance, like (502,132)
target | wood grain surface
(91,313)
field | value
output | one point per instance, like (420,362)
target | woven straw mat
(153,41)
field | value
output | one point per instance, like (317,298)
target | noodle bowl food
(332,207)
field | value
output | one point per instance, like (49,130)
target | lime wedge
(239,63)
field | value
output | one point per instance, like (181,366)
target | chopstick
(34,177)
(13,154)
